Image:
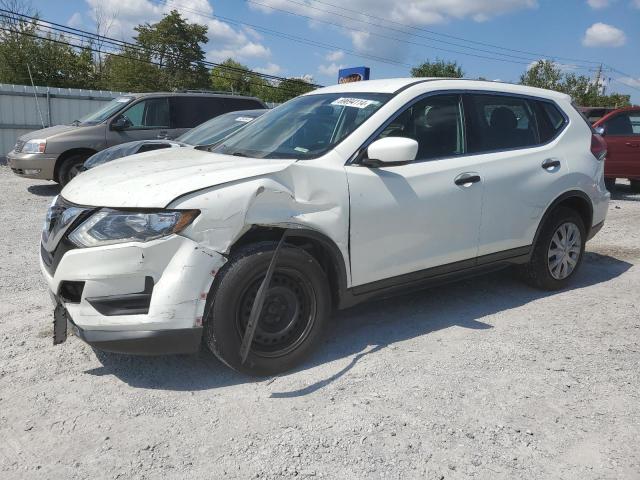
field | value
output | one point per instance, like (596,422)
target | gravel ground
(485,378)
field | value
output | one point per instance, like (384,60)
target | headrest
(504,119)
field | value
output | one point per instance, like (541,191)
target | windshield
(305,127)
(105,112)
(214,130)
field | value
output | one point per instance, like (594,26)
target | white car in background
(349,192)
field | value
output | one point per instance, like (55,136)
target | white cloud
(75,20)
(335,56)
(413,13)
(636,3)
(603,35)
(598,4)
(632,82)
(270,69)
(224,40)
(330,70)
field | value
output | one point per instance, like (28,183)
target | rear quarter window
(550,120)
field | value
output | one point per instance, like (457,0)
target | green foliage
(51,62)
(438,68)
(175,45)
(235,78)
(130,71)
(583,90)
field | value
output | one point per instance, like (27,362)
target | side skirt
(439,275)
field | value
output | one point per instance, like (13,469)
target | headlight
(35,146)
(108,226)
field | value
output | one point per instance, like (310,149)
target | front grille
(18,147)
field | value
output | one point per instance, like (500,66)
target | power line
(151,62)
(121,43)
(294,38)
(526,62)
(433,32)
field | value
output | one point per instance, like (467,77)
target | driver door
(417,216)
(147,119)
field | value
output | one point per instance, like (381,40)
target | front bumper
(173,275)
(141,342)
(33,165)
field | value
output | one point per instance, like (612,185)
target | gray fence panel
(24,109)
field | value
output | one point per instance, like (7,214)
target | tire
(539,272)
(294,316)
(610,183)
(635,186)
(70,167)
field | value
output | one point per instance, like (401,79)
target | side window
(233,104)
(624,124)
(499,122)
(435,122)
(190,111)
(550,120)
(151,113)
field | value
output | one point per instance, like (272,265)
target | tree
(543,74)
(26,55)
(232,76)
(438,68)
(582,89)
(175,45)
(130,70)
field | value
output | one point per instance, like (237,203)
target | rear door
(511,141)
(147,119)
(622,134)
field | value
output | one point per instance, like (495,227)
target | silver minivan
(58,153)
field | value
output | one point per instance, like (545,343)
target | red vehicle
(621,129)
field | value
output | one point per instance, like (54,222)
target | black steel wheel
(295,311)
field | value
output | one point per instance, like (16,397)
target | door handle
(467,179)
(634,145)
(550,163)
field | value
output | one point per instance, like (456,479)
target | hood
(48,132)
(154,179)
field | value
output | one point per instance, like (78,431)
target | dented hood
(154,179)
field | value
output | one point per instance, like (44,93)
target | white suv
(350,192)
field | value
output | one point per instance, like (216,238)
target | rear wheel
(610,183)
(296,309)
(71,167)
(558,252)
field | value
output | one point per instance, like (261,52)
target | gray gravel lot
(485,378)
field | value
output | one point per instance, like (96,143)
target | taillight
(598,147)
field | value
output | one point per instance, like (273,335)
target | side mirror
(601,130)
(120,123)
(391,151)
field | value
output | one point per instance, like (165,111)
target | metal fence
(24,109)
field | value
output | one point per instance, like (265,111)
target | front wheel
(296,309)
(558,252)
(71,167)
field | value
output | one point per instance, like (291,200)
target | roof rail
(189,90)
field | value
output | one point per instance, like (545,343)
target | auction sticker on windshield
(354,102)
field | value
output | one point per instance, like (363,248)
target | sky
(494,39)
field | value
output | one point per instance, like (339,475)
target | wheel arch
(317,244)
(576,200)
(69,153)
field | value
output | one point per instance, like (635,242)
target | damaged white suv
(347,193)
